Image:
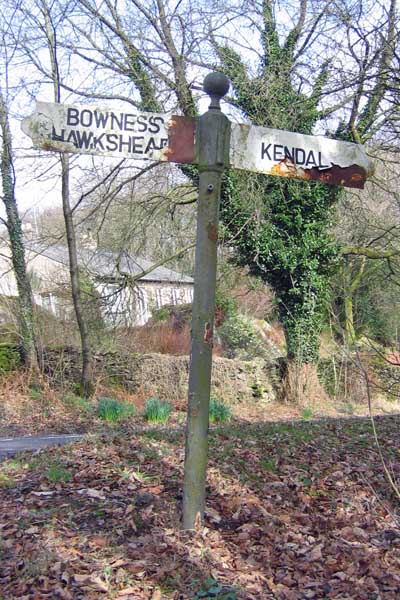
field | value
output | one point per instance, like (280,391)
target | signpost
(162,137)
(213,143)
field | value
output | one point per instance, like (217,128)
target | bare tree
(48,28)
(13,221)
(369,235)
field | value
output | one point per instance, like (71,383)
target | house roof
(104,264)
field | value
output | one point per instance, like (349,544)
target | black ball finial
(216,84)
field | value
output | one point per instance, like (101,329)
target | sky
(38,182)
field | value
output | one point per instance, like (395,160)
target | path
(10,446)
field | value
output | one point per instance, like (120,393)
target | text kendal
(297,156)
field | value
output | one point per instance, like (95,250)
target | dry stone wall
(166,376)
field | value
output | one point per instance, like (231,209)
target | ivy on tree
(285,242)
(288,246)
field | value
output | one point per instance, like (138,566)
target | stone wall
(166,376)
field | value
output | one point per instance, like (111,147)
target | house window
(48,302)
(142,309)
(165,296)
(158,298)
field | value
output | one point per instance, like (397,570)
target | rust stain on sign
(297,156)
(181,140)
(352,176)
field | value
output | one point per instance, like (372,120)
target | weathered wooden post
(212,149)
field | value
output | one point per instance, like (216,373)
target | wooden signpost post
(213,143)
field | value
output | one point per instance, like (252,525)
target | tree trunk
(25,302)
(86,374)
(350,287)
(302,332)
(300,384)
(350,331)
(86,384)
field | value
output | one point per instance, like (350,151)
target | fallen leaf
(316,552)
(99,542)
(95,494)
(32,530)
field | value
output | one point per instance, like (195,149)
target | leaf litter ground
(294,510)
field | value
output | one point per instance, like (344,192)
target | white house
(129,287)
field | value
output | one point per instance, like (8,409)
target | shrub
(160,314)
(9,357)
(219,411)
(157,412)
(162,337)
(238,337)
(112,410)
(225,306)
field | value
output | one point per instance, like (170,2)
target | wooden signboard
(109,132)
(162,137)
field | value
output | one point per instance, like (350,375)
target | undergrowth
(157,412)
(113,411)
(219,411)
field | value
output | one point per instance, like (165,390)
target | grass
(114,411)
(157,412)
(34,393)
(268,465)
(306,414)
(212,589)
(347,409)
(219,412)
(58,474)
(6,481)
(78,403)
(12,465)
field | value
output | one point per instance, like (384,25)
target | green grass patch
(58,474)
(212,589)
(268,465)
(219,411)
(6,481)
(78,403)
(114,411)
(157,412)
(35,392)
(306,414)
(12,466)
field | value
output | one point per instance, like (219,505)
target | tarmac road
(11,446)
